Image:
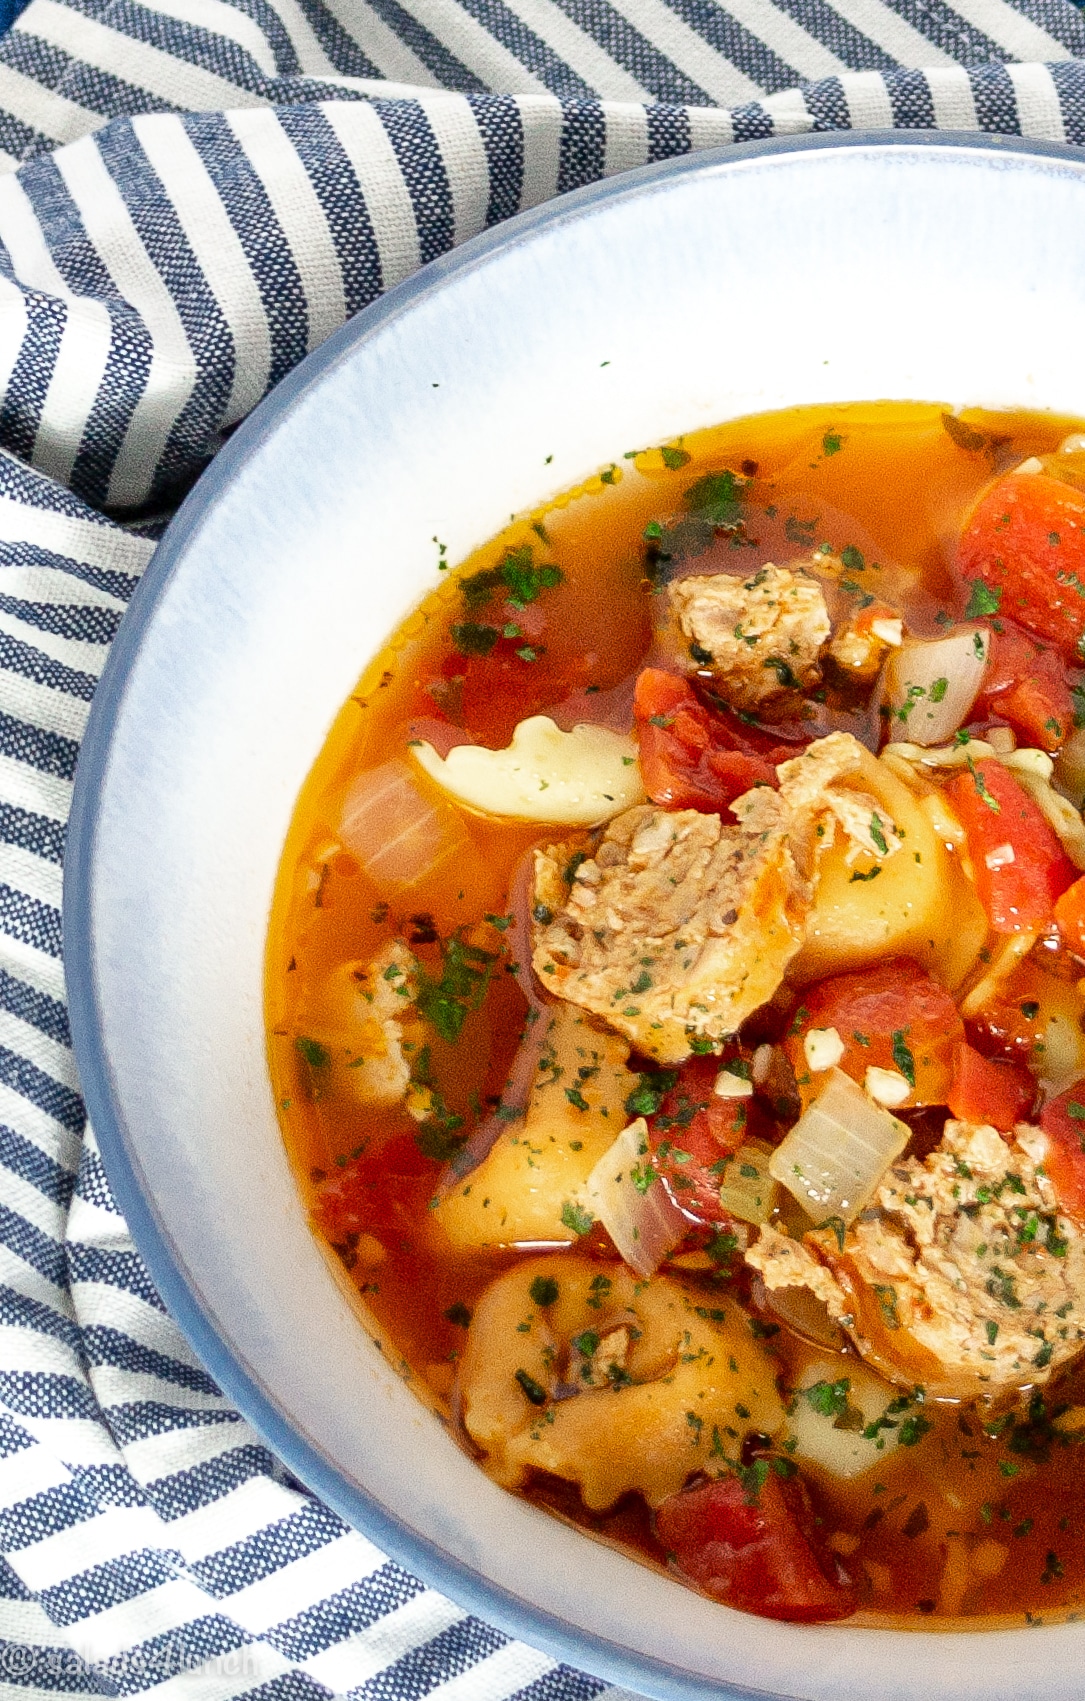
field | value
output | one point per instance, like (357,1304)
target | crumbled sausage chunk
(963,1275)
(680,925)
(383,1004)
(812,781)
(861,644)
(758,636)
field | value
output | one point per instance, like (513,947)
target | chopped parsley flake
(828,1399)
(531,1388)
(985,599)
(576,1218)
(903,1058)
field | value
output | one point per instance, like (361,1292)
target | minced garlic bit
(1000,857)
(730,1085)
(886,1085)
(823,1048)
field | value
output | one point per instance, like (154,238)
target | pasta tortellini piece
(529,1185)
(913,902)
(572,779)
(576,1368)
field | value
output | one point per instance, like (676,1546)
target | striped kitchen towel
(193,194)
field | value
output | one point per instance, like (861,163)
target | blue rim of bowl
(442,1570)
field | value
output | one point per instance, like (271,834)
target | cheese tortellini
(572,779)
(537,1172)
(914,902)
(577,1368)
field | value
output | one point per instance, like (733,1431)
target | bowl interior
(833,270)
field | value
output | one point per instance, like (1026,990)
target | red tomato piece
(1019,865)
(693,757)
(1063,1121)
(988,1089)
(694,1132)
(353,1198)
(884,1016)
(1026,685)
(1070,915)
(1026,540)
(751,1550)
(501,689)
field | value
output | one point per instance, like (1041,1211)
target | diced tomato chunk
(1026,541)
(693,1133)
(1070,915)
(1026,685)
(1063,1121)
(892,1017)
(988,1089)
(514,680)
(693,757)
(1019,865)
(378,1185)
(750,1550)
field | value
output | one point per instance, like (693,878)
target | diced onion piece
(930,687)
(1074,444)
(1062,1060)
(730,1085)
(1070,768)
(747,1188)
(1002,740)
(1032,465)
(805,1315)
(823,1048)
(837,1443)
(890,632)
(398,835)
(762,1063)
(838,1151)
(625,1194)
(572,779)
(888,1086)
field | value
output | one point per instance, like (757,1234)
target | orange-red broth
(893,483)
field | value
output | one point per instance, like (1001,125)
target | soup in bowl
(321,538)
(677,1009)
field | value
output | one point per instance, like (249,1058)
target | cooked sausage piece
(758,636)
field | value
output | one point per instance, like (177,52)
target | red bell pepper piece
(1063,1121)
(744,1543)
(1019,865)
(989,1089)
(1025,541)
(1070,915)
(1026,685)
(693,757)
(893,1016)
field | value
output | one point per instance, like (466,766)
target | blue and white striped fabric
(193,194)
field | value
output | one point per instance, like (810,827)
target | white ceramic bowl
(832,268)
